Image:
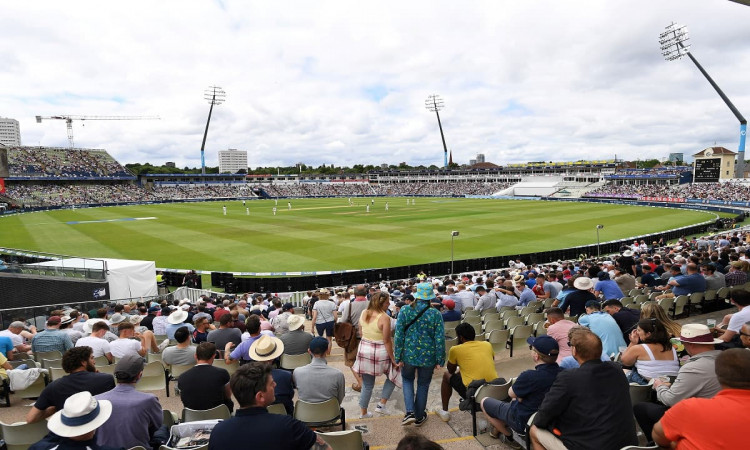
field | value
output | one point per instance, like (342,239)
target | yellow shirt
(475,359)
(3,360)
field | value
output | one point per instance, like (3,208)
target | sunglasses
(744,334)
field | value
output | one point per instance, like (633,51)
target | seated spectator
(52,338)
(576,300)
(652,310)
(607,288)
(317,381)
(75,425)
(80,366)
(716,422)
(450,314)
(136,416)
(558,328)
(469,360)
(253,387)
(685,284)
(127,345)
(741,299)
(696,378)
(736,276)
(205,386)
(604,326)
(587,408)
(650,352)
(626,318)
(176,320)
(183,354)
(225,334)
(14,332)
(297,340)
(96,341)
(714,279)
(649,278)
(279,322)
(486,300)
(242,351)
(506,295)
(526,393)
(202,329)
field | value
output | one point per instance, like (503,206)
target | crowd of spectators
(573,368)
(63,163)
(631,191)
(728,191)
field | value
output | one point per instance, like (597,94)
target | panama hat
(697,333)
(117,318)
(627,253)
(583,283)
(81,414)
(177,317)
(266,348)
(295,321)
(135,319)
(87,326)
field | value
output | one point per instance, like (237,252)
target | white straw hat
(81,414)
(177,317)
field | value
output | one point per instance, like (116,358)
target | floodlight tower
(435,103)
(215,96)
(674,45)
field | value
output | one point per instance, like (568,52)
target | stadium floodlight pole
(453,235)
(674,45)
(598,249)
(215,96)
(434,103)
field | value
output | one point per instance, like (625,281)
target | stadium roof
(716,151)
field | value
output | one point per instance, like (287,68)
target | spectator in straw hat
(297,340)
(76,424)
(178,320)
(576,300)
(267,349)
(696,378)
(716,422)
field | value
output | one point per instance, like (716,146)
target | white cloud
(345,82)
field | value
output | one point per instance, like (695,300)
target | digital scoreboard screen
(707,170)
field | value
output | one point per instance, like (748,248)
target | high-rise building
(10,132)
(232,160)
(480,157)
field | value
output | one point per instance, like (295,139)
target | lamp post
(453,235)
(598,250)
(674,45)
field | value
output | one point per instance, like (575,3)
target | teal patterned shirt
(423,344)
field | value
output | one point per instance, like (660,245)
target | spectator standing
(420,347)
(351,314)
(324,315)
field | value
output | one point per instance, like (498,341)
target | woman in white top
(651,352)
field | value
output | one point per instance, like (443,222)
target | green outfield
(329,234)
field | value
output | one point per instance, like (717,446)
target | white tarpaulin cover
(127,278)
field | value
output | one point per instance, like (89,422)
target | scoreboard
(707,170)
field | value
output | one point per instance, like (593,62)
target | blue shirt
(531,386)
(171,328)
(609,289)
(527,296)
(6,345)
(255,428)
(242,351)
(604,326)
(451,315)
(689,284)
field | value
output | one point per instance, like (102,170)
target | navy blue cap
(546,345)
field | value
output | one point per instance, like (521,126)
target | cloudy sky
(345,82)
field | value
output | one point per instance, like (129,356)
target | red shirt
(701,423)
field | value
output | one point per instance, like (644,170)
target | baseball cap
(593,304)
(545,345)
(450,304)
(287,307)
(154,309)
(128,367)
(54,320)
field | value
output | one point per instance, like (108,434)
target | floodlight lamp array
(434,103)
(215,95)
(673,42)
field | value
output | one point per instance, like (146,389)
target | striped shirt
(51,339)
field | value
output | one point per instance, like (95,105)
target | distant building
(472,162)
(675,157)
(170,164)
(713,164)
(10,132)
(480,158)
(232,160)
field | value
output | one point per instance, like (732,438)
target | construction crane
(69,121)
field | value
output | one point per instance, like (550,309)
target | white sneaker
(164,345)
(444,415)
(365,416)
(381,409)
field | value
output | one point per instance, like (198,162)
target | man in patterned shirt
(420,349)
(52,338)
